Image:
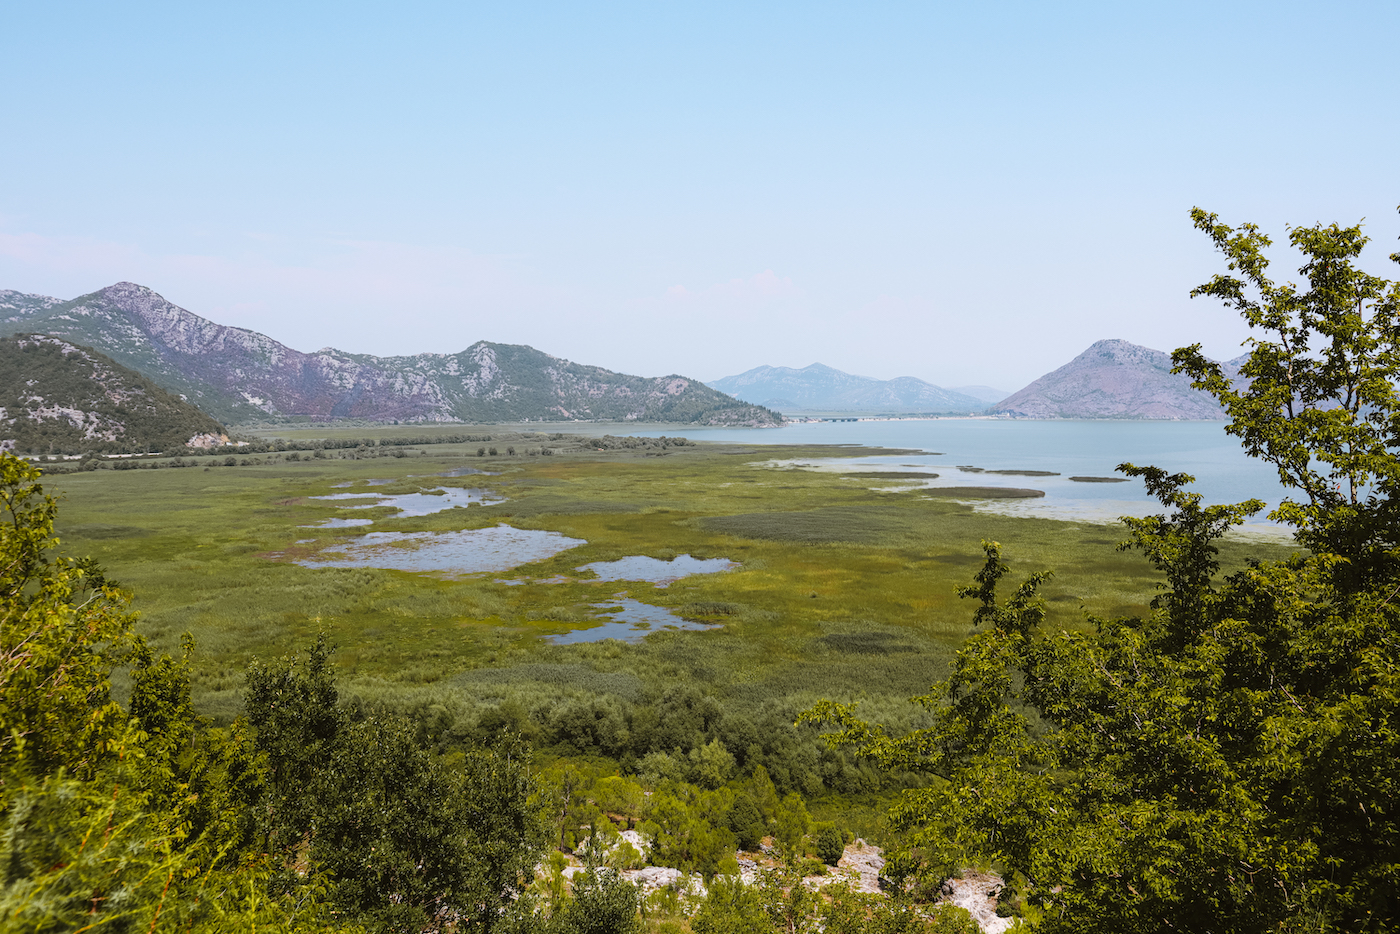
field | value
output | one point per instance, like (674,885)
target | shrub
(831,844)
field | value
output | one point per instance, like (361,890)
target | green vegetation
(149,818)
(59,398)
(1225,761)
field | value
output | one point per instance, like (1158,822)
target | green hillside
(60,398)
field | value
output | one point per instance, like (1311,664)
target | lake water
(1224,474)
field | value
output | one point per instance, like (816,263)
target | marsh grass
(841,592)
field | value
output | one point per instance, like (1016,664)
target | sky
(964,193)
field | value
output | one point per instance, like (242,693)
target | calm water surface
(417,504)
(1224,474)
(471,551)
(631,621)
(654,570)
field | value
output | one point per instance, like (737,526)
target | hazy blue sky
(966,193)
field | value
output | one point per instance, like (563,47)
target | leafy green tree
(404,840)
(205,782)
(791,906)
(616,794)
(746,820)
(111,819)
(844,910)
(292,707)
(565,797)
(63,627)
(711,765)
(791,821)
(603,903)
(730,907)
(759,787)
(831,844)
(1225,763)
(681,832)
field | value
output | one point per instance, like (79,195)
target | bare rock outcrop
(863,862)
(977,893)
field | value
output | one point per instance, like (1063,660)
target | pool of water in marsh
(423,503)
(337,523)
(655,570)
(470,551)
(504,548)
(630,621)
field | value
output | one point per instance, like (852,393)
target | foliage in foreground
(147,818)
(1227,762)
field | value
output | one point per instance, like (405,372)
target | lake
(1224,474)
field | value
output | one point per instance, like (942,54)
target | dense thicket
(1226,763)
(676,732)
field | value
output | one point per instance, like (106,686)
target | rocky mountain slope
(822,388)
(240,375)
(1113,379)
(59,398)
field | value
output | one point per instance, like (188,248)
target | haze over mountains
(238,375)
(1111,379)
(820,388)
(1114,379)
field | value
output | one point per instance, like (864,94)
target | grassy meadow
(842,591)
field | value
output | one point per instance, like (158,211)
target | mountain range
(239,375)
(57,397)
(820,388)
(1115,379)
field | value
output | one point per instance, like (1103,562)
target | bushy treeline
(631,443)
(676,733)
(171,445)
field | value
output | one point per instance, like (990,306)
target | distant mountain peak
(821,388)
(1112,379)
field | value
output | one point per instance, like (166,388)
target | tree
(731,907)
(1227,762)
(1317,398)
(63,627)
(404,840)
(603,903)
(110,819)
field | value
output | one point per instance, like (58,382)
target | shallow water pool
(631,621)
(338,524)
(471,551)
(654,570)
(417,504)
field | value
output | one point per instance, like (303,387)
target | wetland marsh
(814,555)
